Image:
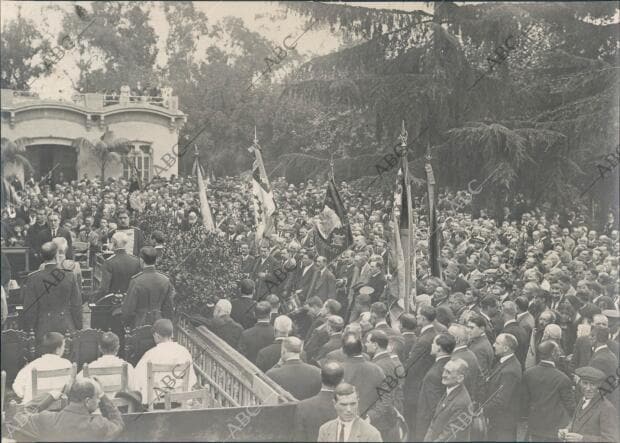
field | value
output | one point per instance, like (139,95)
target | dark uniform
(117,271)
(52,301)
(133,233)
(149,298)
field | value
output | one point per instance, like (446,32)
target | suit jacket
(473,380)
(377,282)
(548,400)
(300,379)
(597,422)
(243,311)
(334,342)
(269,356)
(117,271)
(483,350)
(325,285)
(393,368)
(502,397)
(582,351)
(446,414)
(431,392)
(419,363)
(522,339)
(409,340)
(247,264)
(367,378)
(226,328)
(263,288)
(360,431)
(305,282)
(312,413)
(52,301)
(254,339)
(149,297)
(395,338)
(318,336)
(606,361)
(45,235)
(527,322)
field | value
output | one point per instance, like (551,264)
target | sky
(254,14)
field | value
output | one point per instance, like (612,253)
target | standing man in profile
(135,236)
(52,298)
(150,294)
(118,269)
(348,426)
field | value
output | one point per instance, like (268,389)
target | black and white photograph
(310,221)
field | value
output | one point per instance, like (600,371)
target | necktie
(341,433)
(53,233)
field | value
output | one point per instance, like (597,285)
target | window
(138,161)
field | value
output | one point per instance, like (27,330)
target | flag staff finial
(403,135)
(428,155)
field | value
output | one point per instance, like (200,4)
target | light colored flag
(207,218)
(264,202)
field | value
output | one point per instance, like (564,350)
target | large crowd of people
(517,339)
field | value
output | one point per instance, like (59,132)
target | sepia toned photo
(310,221)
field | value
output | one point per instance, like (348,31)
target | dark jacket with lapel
(269,356)
(45,235)
(445,426)
(419,362)
(483,350)
(262,288)
(325,285)
(334,342)
(312,413)
(473,380)
(597,422)
(431,392)
(117,271)
(243,311)
(149,297)
(502,399)
(300,379)
(522,338)
(305,282)
(409,340)
(226,328)
(254,339)
(548,400)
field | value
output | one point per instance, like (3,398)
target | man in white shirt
(108,347)
(165,352)
(52,347)
(348,426)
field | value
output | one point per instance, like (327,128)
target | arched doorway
(61,160)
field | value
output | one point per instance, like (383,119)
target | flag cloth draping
(264,202)
(205,210)
(333,233)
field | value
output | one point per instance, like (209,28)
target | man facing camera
(348,426)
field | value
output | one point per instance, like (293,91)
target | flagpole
(408,249)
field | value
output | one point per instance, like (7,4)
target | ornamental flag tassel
(207,218)
(264,202)
(435,234)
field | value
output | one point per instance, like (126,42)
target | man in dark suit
(52,298)
(488,310)
(258,336)
(222,325)
(54,230)
(503,391)
(325,283)
(378,317)
(306,276)
(548,399)
(432,388)
(32,239)
(262,273)
(318,334)
(524,318)
(479,344)
(243,306)
(377,346)
(135,235)
(376,280)
(509,314)
(150,294)
(604,360)
(408,326)
(335,324)
(247,261)
(595,418)
(582,350)
(118,269)
(300,379)
(367,378)
(473,378)
(270,355)
(313,412)
(447,417)
(419,362)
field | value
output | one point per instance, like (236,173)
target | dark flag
(133,203)
(433,228)
(333,233)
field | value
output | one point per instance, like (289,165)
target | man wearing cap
(150,294)
(595,418)
(300,379)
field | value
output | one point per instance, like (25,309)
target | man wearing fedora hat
(595,418)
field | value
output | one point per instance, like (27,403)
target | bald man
(300,379)
(223,325)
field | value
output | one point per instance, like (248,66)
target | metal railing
(233,380)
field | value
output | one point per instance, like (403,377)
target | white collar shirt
(348,425)
(22,386)
(505,357)
(164,353)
